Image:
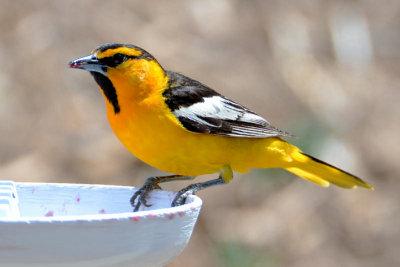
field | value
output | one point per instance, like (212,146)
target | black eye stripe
(115,60)
(118,58)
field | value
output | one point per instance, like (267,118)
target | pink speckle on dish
(192,208)
(152,215)
(33,191)
(171,216)
(135,219)
(78,198)
(102,211)
(49,214)
(181,213)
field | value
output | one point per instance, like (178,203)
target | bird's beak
(89,63)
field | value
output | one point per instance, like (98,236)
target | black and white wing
(200,109)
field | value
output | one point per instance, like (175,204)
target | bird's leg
(181,196)
(225,176)
(151,184)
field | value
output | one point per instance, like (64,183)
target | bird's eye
(118,59)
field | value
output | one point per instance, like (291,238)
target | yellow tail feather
(322,173)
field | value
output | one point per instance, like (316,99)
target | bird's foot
(139,198)
(181,196)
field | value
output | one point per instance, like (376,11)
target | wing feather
(200,109)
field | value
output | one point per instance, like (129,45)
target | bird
(185,128)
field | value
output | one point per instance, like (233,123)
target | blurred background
(326,71)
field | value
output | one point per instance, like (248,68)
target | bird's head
(112,57)
(122,71)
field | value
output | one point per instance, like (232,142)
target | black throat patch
(108,89)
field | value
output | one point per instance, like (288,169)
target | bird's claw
(139,198)
(181,196)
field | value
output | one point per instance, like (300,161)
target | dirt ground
(326,71)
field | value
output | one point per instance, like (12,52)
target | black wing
(200,109)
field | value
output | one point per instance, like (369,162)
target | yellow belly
(150,132)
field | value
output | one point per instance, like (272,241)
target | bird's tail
(322,173)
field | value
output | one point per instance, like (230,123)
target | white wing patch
(218,108)
(224,117)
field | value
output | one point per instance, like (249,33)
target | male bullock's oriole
(182,126)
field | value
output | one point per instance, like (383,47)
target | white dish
(90,225)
